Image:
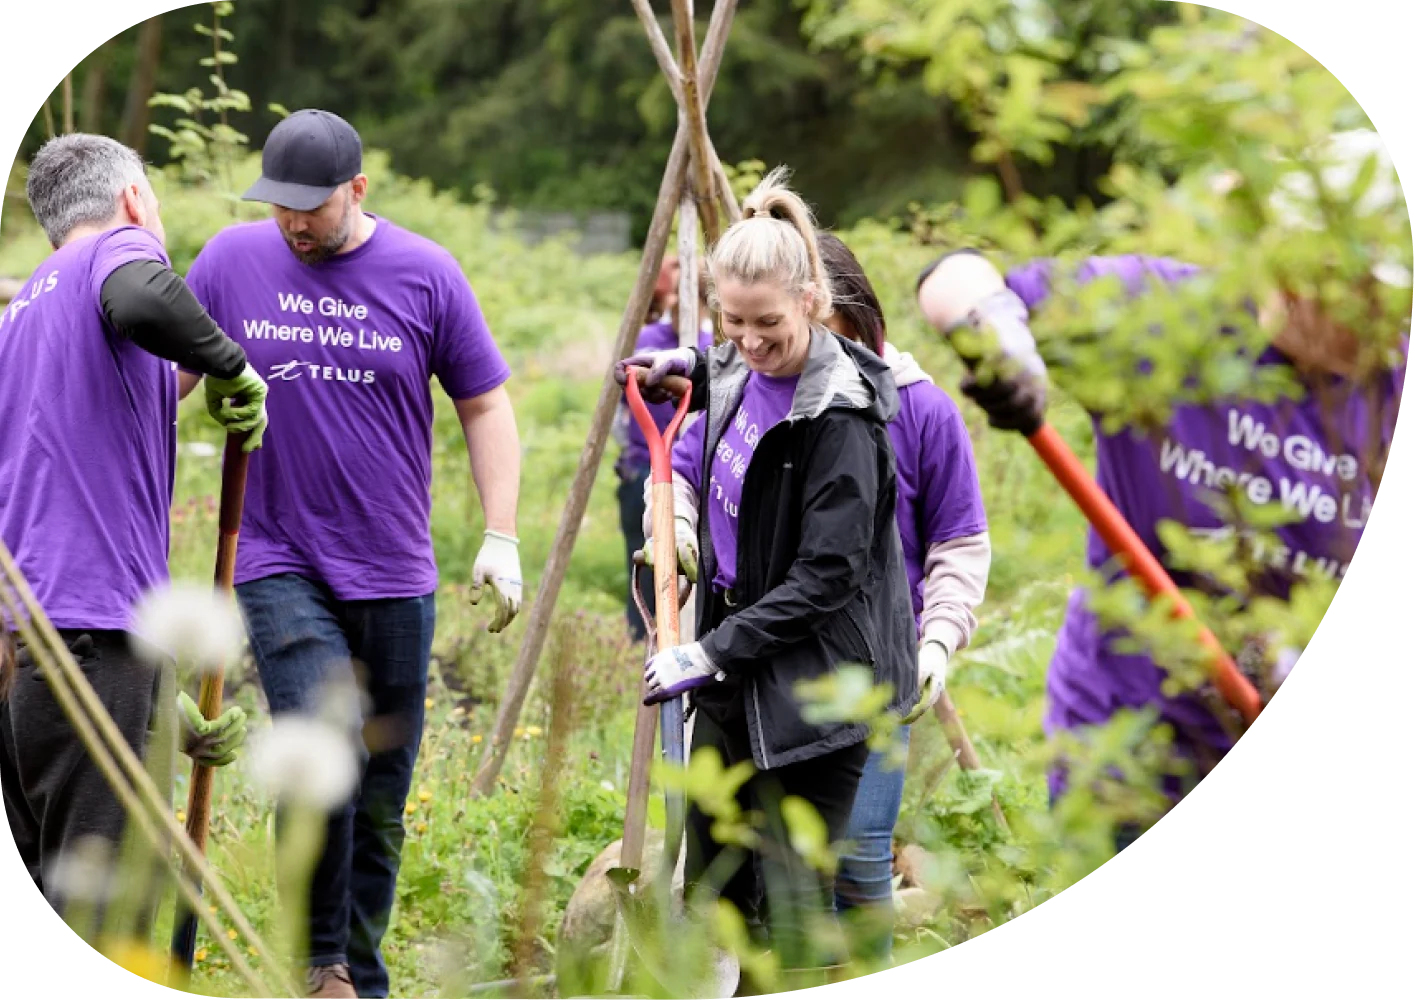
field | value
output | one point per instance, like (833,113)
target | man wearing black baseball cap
(349,317)
(312,174)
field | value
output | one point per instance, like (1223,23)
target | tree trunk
(94,86)
(68,104)
(136,114)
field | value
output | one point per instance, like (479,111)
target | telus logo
(295,369)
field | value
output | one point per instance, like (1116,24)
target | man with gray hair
(88,411)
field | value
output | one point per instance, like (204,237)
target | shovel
(234,465)
(664,631)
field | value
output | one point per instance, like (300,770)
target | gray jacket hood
(838,373)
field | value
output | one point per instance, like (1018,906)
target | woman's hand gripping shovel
(234,466)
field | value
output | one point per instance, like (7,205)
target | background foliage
(1027,128)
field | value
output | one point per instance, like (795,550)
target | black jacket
(820,579)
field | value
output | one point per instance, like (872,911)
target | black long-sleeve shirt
(149,303)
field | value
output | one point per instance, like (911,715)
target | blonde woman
(785,513)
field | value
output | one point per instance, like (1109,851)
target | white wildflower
(304,760)
(81,874)
(193,625)
(1286,660)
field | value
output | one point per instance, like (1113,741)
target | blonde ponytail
(775,241)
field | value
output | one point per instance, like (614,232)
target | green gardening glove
(238,404)
(212,743)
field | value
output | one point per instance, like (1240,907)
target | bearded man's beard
(324,249)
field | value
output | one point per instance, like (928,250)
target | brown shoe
(331,982)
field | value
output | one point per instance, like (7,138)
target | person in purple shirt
(947,553)
(785,495)
(632,467)
(88,413)
(1310,457)
(350,317)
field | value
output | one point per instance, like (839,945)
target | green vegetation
(1028,129)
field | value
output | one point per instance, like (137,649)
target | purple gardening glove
(676,670)
(660,364)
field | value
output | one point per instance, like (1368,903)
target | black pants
(631,484)
(58,803)
(782,897)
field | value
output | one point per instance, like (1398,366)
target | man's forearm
(493,446)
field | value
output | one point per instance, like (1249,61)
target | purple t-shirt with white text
(1306,457)
(88,439)
(340,490)
(939,498)
(660,336)
(765,403)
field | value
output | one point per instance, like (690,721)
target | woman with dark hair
(947,555)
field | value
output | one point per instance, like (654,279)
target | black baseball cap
(306,157)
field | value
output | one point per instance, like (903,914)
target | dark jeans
(781,896)
(58,802)
(631,484)
(304,638)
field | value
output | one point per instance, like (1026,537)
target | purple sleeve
(687,453)
(465,358)
(950,503)
(1032,281)
(117,248)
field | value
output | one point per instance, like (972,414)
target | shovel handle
(235,464)
(665,559)
(1123,541)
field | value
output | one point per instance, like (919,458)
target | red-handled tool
(664,632)
(1122,540)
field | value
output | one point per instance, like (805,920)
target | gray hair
(76,179)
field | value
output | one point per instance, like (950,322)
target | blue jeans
(864,885)
(303,637)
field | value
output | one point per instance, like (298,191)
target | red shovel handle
(665,558)
(659,444)
(1141,563)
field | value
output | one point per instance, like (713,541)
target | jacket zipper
(760,732)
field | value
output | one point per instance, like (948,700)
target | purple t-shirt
(1306,458)
(655,337)
(938,494)
(765,403)
(340,490)
(88,439)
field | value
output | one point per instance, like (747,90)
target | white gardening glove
(660,365)
(686,535)
(932,677)
(497,567)
(684,526)
(676,670)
